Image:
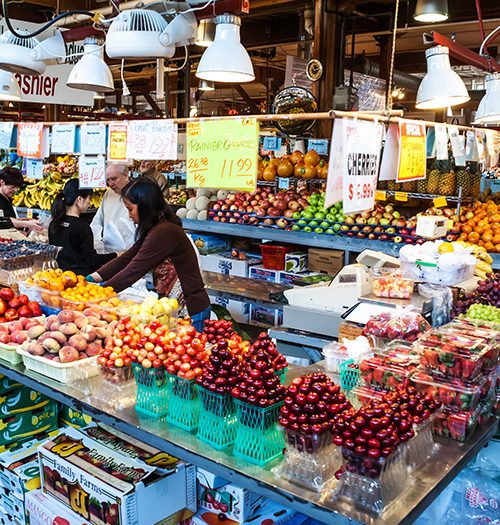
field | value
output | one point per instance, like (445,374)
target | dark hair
(151,205)
(67,197)
(12,176)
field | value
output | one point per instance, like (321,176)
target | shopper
(11,179)
(148,169)
(112,228)
(161,247)
(68,230)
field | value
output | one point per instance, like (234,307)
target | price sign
(320,146)
(457,145)
(117,140)
(33,168)
(412,151)
(63,138)
(152,140)
(30,139)
(272,144)
(401,196)
(380,195)
(223,154)
(92,171)
(440,202)
(283,183)
(93,139)
(6,129)
(389,162)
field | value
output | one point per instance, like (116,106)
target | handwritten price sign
(412,151)
(117,139)
(152,140)
(63,138)
(92,171)
(223,154)
(6,129)
(93,139)
(30,139)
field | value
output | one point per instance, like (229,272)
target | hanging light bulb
(9,88)
(441,87)
(226,60)
(122,110)
(488,111)
(205,33)
(431,11)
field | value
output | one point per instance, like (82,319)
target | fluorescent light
(15,54)
(488,111)
(226,60)
(431,11)
(205,33)
(206,85)
(91,73)
(9,88)
(441,87)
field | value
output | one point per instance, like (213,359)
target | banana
(483,267)
(480,274)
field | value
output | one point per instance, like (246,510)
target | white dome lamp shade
(181,30)
(205,33)
(9,88)
(135,33)
(15,54)
(488,111)
(431,11)
(441,87)
(51,50)
(91,73)
(226,60)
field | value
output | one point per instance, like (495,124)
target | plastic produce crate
(152,390)
(183,406)
(273,256)
(217,422)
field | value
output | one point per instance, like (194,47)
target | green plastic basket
(282,375)
(183,403)
(152,390)
(217,422)
(258,438)
(349,377)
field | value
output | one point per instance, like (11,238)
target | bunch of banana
(484,259)
(96,198)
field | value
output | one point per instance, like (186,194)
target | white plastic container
(432,273)
(62,372)
(8,353)
(336,354)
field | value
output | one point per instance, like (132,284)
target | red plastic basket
(273,256)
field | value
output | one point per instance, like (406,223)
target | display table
(426,485)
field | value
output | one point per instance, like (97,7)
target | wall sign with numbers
(412,151)
(223,154)
(92,171)
(152,140)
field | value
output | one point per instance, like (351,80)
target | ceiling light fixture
(488,111)
(226,60)
(91,73)
(441,87)
(9,88)
(206,85)
(205,33)
(99,96)
(15,54)
(51,50)
(181,30)
(431,11)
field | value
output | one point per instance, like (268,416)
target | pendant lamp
(15,54)
(51,51)
(431,11)
(205,33)
(91,73)
(488,111)
(441,87)
(226,60)
(9,88)
(206,85)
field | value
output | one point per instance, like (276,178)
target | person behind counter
(68,230)
(11,179)
(148,169)
(162,247)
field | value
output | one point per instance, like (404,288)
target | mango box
(105,487)
(295,262)
(44,510)
(6,384)
(73,418)
(26,424)
(13,507)
(21,400)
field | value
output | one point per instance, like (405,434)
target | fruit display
(298,164)
(264,348)
(179,196)
(163,310)
(217,330)
(16,332)
(405,325)
(220,373)
(55,280)
(14,307)
(485,313)
(487,292)
(68,336)
(85,294)
(196,207)
(381,373)
(480,225)
(65,165)
(390,283)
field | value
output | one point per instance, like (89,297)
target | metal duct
(364,65)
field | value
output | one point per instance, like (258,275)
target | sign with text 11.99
(92,171)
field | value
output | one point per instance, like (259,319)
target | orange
(466,228)
(463,236)
(480,243)
(479,230)
(487,237)
(496,239)
(495,217)
(473,237)
(497,248)
(489,246)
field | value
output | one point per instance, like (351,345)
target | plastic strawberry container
(389,283)
(456,425)
(397,353)
(379,373)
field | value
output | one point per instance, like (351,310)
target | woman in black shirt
(11,179)
(72,233)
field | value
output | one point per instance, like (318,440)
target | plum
(36,331)
(59,337)
(66,316)
(79,342)
(68,354)
(68,329)
(51,345)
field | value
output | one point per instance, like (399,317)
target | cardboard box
(325,261)
(291,278)
(224,263)
(271,512)
(265,316)
(209,480)
(296,262)
(239,310)
(22,479)
(103,485)
(21,400)
(45,510)
(6,384)
(73,418)
(209,243)
(14,508)
(259,273)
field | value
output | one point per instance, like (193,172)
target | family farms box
(106,487)
(260,273)
(45,510)
(209,243)
(265,316)
(21,400)
(224,263)
(239,310)
(325,261)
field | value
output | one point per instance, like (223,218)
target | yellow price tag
(440,202)
(380,195)
(29,214)
(450,224)
(401,196)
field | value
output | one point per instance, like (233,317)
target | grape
(486,294)
(484,312)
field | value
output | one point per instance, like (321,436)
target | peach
(90,312)
(59,337)
(20,336)
(94,321)
(78,342)
(56,359)
(101,333)
(36,349)
(83,355)
(94,349)
(68,354)
(68,328)
(15,326)
(89,333)
(36,331)
(81,321)
(106,317)
(30,323)
(66,316)
(51,345)
(54,326)
(4,329)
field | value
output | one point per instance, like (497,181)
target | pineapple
(391,185)
(433,182)
(382,185)
(464,179)
(476,184)
(447,183)
(422,185)
(410,187)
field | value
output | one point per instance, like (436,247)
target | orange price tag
(440,202)
(401,196)
(380,195)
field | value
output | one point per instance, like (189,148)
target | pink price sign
(92,171)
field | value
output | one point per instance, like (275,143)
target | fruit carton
(22,478)
(13,507)
(390,284)
(106,487)
(45,510)
(7,385)
(21,400)
(375,371)
(25,424)
(73,418)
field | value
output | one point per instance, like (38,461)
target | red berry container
(422,446)
(455,425)
(380,373)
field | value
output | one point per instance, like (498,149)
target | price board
(33,168)
(117,140)
(92,171)
(93,139)
(152,140)
(63,138)
(223,154)
(6,129)
(30,140)
(412,151)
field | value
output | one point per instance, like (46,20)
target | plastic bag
(402,323)
(442,302)
(357,349)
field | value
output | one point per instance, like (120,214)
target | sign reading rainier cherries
(223,154)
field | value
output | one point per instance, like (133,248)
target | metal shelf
(413,195)
(427,483)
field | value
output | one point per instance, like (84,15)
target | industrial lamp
(9,88)
(51,50)
(206,85)
(441,87)
(91,73)
(15,54)
(488,111)
(226,60)
(205,33)
(431,11)
(180,31)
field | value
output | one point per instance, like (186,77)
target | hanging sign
(492,147)
(223,154)
(441,142)
(334,178)
(33,168)
(471,152)
(271,143)
(457,145)
(152,140)
(92,171)
(6,129)
(30,139)
(412,151)
(63,138)
(117,140)
(320,146)
(389,162)
(93,139)
(431,143)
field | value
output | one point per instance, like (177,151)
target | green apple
(318,230)
(337,227)
(313,224)
(296,227)
(330,231)
(296,215)
(302,223)
(307,215)
(331,217)
(308,229)
(325,224)
(319,216)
